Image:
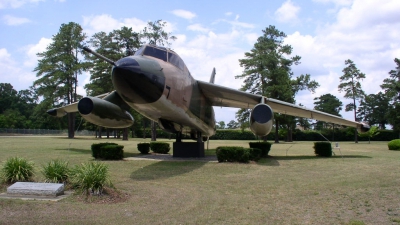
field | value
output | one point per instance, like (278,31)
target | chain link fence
(17,131)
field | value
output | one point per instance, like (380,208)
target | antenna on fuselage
(98,55)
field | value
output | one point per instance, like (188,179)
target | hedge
(107,151)
(346,134)
(255,154)
(143,148)
(237,154)
(160,147)
(265,147)
(323,148)
(232,154)
(96,149)
(112,152)
(394,144)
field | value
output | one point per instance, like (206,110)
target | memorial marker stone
(37,189)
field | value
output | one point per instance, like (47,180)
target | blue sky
(210,34)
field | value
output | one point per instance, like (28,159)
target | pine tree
(58,69)
(267,71)
(351,86)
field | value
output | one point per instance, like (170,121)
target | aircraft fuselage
(163,91)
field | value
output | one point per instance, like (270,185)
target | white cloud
(287,12)
(184,14)
(251,38)
(11,72)
(369,39)
(104,22)
(16,3)
(228,13)
(236,24)
(4,55)
(93,24)
(14,21)
(32,50)
(198,27)
(336,2)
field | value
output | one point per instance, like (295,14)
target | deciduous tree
(391,86)
(374,109)
(327,103)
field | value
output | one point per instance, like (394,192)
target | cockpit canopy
(162,53)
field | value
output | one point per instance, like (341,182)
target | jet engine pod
(363,127)
(261,119)
(104,113)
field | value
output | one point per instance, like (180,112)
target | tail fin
(212,78)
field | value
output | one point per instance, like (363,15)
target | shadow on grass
(274,160)
(165,169)
(313,157)
(132,154)
(77,150)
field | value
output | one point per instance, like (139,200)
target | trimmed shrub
(265,147)
(323,148)
(17,169)
(56,171)
(160,147)
(255,154)
(227,134)
(394,144)
(112,152)
(96,149)
(91,177)
(143,148)
(233,154)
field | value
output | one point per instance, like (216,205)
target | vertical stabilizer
(212,78)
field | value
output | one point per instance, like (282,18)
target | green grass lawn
(360,184)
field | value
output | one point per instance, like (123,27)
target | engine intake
(363,127)
(261,120)
(104,113)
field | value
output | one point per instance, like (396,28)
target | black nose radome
(136,84)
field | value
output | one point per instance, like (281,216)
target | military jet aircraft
(156,83)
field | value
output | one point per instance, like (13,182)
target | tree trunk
(276,131)
(125,134)
(355,136)
(290,135)
(144,129)
(153,131)
(71,125)
(100,132)
(355,119)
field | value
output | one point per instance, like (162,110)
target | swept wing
(228,97)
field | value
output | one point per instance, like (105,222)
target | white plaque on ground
(37,189)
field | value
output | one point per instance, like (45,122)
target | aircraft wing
(228,97)
(73,107)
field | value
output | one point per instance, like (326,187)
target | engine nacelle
(363,127)
(261,120)
(104,113)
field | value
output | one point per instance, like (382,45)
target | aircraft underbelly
(165,109)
